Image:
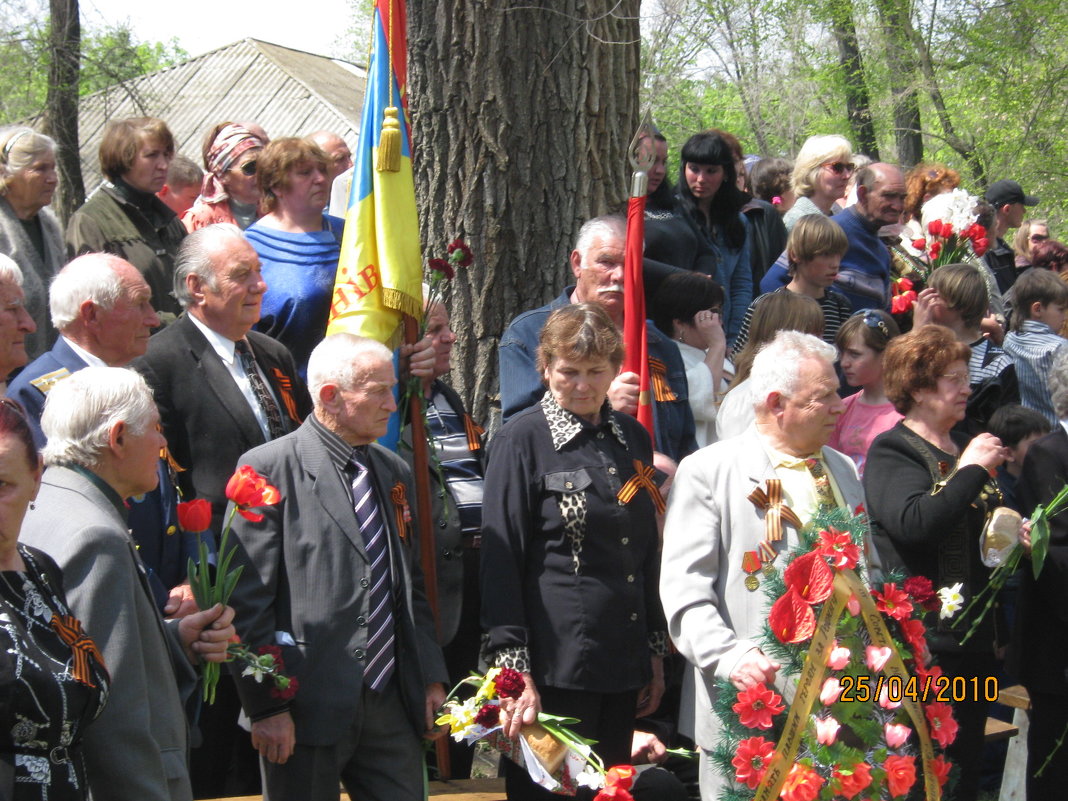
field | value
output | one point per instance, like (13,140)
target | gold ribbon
(474,433)
(285,389)
(770,500)
(399,496)
(662,390)
(70,630)
(642,478)
(813,673)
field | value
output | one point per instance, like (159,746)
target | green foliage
(110,55)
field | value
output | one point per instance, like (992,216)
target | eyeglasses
(1038,237)
(839,167)
(960,379)
(248,168)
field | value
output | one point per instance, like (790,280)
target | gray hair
(19,148)
(777,367)
(339,359)
(196,256)
(184,172)
(1058,383)
(605,225)
(10,272)
(81,410)
(92,276)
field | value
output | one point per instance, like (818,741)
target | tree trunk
(61,104)
(520,120)
(858,104)
(900,61)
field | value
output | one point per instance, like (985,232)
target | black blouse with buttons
(569,571)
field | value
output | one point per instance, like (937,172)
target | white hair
(340,359)
(777,366)
(607,225)
(92,276)
(19,148)
(81,410)
(196,256)
(10,272)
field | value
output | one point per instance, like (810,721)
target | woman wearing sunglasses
(230,193)
(821,172)
(297,243)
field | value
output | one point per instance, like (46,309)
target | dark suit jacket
(306,573)
(206,419)
(137,750)
(1042,604)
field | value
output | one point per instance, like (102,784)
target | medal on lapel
(751,564)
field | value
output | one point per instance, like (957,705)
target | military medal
(751,564)
(769,569)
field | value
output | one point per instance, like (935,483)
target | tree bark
(858,104)
(521,114)
(61,104)
(900,61)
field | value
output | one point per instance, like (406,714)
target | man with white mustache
(597,263)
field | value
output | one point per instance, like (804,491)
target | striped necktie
(380,652)
(259,388)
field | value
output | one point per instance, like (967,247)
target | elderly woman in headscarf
(29,232)
(230,193)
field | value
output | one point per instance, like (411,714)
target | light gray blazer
(710,524)
(137,750)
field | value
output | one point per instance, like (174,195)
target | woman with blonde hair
(1029,234)
(821,172)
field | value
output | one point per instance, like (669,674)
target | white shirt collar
(89,359)
(220,344)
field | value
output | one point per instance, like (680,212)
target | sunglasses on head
(248,168)
(839,167)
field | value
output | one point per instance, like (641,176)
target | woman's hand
(517,712)
(986,451)
(649,696)
(709,329)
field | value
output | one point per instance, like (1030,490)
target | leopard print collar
(565,426)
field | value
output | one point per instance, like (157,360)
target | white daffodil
(952,600)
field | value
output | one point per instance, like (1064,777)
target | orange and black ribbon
(662,390)
(69,629)
(285,388)
(474,433)
(642,478)
(403,515)
(777,513)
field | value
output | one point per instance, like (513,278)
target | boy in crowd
(1040,311)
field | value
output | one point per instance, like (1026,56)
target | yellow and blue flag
(379,274)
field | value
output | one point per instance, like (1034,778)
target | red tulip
(934,228)
(247,488)
(194,516)
(919,244)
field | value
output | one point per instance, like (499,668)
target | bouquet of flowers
(247,490)
(953,235)
(555,757)
(864,721)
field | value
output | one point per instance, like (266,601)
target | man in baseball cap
(1008,199)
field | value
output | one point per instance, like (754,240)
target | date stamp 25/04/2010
(945,689)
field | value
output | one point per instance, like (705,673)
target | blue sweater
(299,270)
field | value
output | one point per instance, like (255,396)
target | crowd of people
(801,336)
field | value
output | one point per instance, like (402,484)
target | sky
(202,25)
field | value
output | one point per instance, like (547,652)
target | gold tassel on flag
(389,146)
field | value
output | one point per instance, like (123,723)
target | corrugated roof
(288,92)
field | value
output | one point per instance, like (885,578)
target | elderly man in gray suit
(714,532)
(332,577)
(103,446)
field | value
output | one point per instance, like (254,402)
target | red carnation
(802,784)
(488,716)
(273,650)
(442,266)
(509,683)
(247,488)
(941,722)
(854,780)
(194,516)
(756,706)
(900,773)
(792,619)
(460,254)
(810,576)
(922,592)
(892,601)
(751,761)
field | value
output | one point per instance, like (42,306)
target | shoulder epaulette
(45,382)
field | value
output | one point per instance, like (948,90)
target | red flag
(636,359)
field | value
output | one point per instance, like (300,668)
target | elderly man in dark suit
(137,750)
(221,389)
(332,577)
